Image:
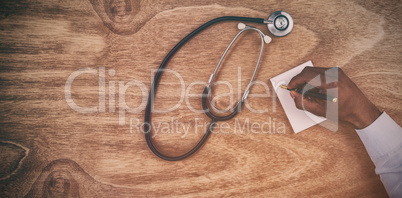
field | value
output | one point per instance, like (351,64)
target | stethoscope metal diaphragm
(280,23)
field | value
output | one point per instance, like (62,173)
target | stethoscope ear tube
(234,110)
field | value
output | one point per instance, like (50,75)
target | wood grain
(50,150)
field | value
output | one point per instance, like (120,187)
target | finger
(320,70)
(332,76)
(312,105)
(311,75)
(325,87)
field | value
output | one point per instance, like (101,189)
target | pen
(312,94)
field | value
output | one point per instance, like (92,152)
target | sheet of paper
(299,119)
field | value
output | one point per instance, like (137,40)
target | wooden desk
(49,148)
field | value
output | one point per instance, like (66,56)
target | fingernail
(292,95)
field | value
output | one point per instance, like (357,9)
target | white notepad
(299,119)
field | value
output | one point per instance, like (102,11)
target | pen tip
(283,87)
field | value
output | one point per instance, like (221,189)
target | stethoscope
(279,24)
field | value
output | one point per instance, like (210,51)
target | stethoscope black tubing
(147,119)
(213,117)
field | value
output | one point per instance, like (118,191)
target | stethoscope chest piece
(280,23)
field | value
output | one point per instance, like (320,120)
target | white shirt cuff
(381,137)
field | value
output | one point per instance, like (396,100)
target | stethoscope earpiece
(241,26)
(267,39)
(280,23)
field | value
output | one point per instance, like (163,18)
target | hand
(353,106)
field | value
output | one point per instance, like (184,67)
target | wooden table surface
(50,149)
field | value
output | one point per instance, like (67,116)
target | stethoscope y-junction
(279,24)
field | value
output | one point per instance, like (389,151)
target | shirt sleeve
(383,142)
